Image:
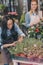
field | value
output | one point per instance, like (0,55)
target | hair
(5,20)
(37,4)
(4,26)
(34,1)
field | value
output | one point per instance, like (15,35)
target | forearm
(6,45)
(20,39)
(34,23)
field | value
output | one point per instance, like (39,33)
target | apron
(5,53)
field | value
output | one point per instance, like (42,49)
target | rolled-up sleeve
(20,33)
(27,19)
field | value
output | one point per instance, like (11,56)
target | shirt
(34,18)
(31,18)
(27,19)
(20,33)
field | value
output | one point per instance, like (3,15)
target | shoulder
(28,13)
(27,16)
(15,25)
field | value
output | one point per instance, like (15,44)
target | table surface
(25,60)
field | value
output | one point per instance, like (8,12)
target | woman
(10,35)
(32,17)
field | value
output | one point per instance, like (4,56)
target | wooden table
(15,62)
(24,61)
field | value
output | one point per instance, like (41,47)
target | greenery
(28,46)
(32,46)
(36,31)
(2,7)
(22,20)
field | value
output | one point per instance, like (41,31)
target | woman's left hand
(20,39)
(42,18)
(13,44)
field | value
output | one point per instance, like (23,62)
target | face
(9,24)
(34,6)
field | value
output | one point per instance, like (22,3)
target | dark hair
(5,20)
(4,26)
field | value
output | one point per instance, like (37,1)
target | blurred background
(17,6)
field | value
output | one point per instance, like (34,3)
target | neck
(32,11)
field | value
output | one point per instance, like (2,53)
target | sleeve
(27,19)
(1,47)
(20,33)
(0,36)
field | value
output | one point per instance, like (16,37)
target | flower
(35,45)
(37,30)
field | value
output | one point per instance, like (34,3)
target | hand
(35,21)
(20,39)
(42,18)
(13,44)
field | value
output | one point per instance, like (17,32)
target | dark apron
(5,53)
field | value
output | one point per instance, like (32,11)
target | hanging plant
(2,7)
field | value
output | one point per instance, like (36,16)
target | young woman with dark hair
(10,35)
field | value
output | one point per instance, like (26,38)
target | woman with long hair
(10,35)
(32,17)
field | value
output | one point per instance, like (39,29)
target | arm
(20,33)
(27,19)
(7,45)
(34,23)
(35,20)
(20,38)
(4,45)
